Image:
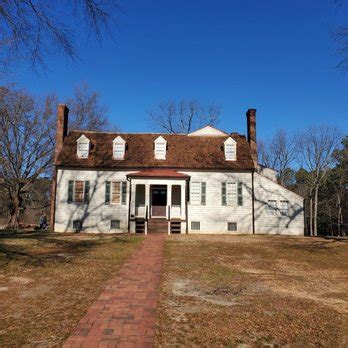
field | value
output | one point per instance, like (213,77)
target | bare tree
(317,149)
(26,146)
(87,112)
(279,154)
(183,116)
(33,29)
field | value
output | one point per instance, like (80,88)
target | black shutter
(203,193)
(107,192)
(124,192)
(86,194)
(223,193)
(70,191)
(240,193)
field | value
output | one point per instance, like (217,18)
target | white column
(147,199)
(169,200)
(183,200)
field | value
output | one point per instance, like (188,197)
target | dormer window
(230,150)
(119,148)
(82,146)
(160,148)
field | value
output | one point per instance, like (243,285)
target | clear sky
(276,56)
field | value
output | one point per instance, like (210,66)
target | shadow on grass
(43,247)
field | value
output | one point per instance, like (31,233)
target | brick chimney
(251,124)
(62,128)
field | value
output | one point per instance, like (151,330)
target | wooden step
(157,226)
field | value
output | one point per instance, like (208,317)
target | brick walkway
(124,314)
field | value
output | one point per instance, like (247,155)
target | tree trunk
(311,217)
(315,218)
(14,218)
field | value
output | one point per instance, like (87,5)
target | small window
(272,206)
(232,226)
(160,148)
(119,148)
(230,150)
(77,225)
(195,225)
(82,147)
(115,224)
(284,207)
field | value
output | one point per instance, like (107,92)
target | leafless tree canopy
(86,110)
(279,153)
(183,116)
(317,155)
(26,145)
(32,29)
(27,137)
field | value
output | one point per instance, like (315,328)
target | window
(115,192)
(272,206)
(284,207)
(82,147)
(195,225)
(198,193)
(78,191)
(78,197)
(160,148)
(228,193)
(230,150)
(115,224)
(240,193)
(77,225)
(231,226)
(119,147)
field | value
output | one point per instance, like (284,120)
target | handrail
(146,213)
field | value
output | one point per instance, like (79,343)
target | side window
(284,207)
(198,193)
(78,191)
(272,206)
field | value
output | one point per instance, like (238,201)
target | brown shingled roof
(183,152)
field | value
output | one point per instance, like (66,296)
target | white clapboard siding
(267,222)
(213,216)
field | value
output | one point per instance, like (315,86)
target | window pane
(231,193)
(82,150)
(230,151)
(78,191)
(116,192)
(195,193)
(118,150)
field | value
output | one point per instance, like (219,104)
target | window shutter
(107,192)
(203,193)
(240,193)
(86,194)
(223,193)
(124,192)
(70,191)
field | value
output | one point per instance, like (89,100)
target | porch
(158,201)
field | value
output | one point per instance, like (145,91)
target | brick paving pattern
(124,314)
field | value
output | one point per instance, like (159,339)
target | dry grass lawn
(48,281)
(254,290)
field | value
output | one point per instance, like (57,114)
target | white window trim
(233,155)
(116,142)
(82,140)
(284,211)
(160,141)
(231,201)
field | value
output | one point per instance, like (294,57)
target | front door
(158,201)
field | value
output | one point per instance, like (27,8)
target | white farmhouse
(207,181)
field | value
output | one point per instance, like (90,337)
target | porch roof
(158,173)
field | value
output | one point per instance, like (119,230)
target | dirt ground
(48,281)
(254,290)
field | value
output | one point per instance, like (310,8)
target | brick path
(124,314)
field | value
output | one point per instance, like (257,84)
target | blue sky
(276,56)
